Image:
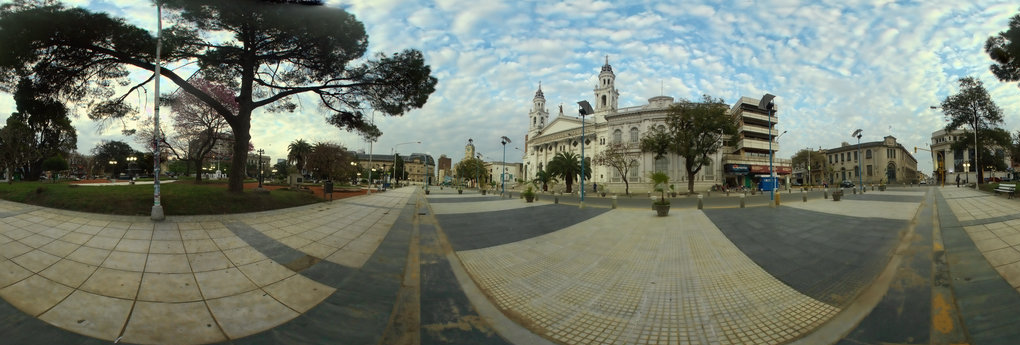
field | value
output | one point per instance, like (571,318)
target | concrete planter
(460,191)
(837,195)
(661,210)
(529,198)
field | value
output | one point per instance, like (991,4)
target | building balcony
(755,144)
(757,118)
(760,130)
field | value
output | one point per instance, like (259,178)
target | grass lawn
(178,198)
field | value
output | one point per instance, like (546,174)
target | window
(617,136)
(603,101)
(616,175)
(708,171)
(661,164)
(867,155)
(869,171)
(633,134)
(855,156)
(634,165)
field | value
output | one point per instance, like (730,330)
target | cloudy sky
(835,65)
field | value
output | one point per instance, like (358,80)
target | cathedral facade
(731,166)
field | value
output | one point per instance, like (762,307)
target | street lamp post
(860,180)
(584,109)
(478,182)
(394,154)
(157,208)
(766,104)
(502,177)
(966,170)
(260,151)
(113,173)
(131,160)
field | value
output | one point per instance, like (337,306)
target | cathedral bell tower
(539,115)
(606,94)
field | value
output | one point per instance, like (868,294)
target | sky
(835,66)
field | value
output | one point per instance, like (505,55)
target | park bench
(1009,189)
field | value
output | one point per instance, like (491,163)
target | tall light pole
(808,167)
(584,109)
(502,176)
(260,151)
(860,180)
(766,104)
(370,142)
(394,154)
(157,208)
(478,164)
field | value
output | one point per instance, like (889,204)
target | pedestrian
(595,187)
(957,181)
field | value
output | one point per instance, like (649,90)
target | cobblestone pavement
(187,279)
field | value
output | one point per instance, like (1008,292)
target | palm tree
(299,150)
(545,178)
(568,166)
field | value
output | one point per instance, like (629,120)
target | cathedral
(733,166)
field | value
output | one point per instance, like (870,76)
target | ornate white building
(612,124)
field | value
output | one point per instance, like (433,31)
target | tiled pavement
(329,273)
(117,278)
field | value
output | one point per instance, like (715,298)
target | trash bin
(328,187)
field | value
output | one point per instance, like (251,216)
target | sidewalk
(197,279)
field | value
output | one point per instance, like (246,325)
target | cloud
(836,66)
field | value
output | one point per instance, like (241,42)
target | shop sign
(738,169)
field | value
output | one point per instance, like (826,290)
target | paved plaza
(929,265)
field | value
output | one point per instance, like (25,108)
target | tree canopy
(567,165)
(693,131)
(972,106)
(617,156)
(1004,49)
(274,52)
(41,128)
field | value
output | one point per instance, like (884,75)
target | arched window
(708,172)
(867,154)
(633,134)
(661,164)
(634,165)
(617,136)
(603,100)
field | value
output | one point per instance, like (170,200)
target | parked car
(846,184)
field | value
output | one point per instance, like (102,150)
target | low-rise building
(885,161)
(960,162)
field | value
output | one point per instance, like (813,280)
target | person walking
(595,187)
(957,180)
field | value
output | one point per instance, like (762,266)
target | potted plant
(460,189)
(672,190)
(529,195)
(604,191)
(881,185)
(660,179)
(837,194)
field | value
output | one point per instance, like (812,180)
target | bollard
(614,202)
(701,204)
(742,197)
(803,193)
(825,193)
(855,190)
(776,203)
(556,199)
(727,193)
(707,192)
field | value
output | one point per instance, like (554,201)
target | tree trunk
(626,186)
(198,170)
(690,182)
(239,160)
